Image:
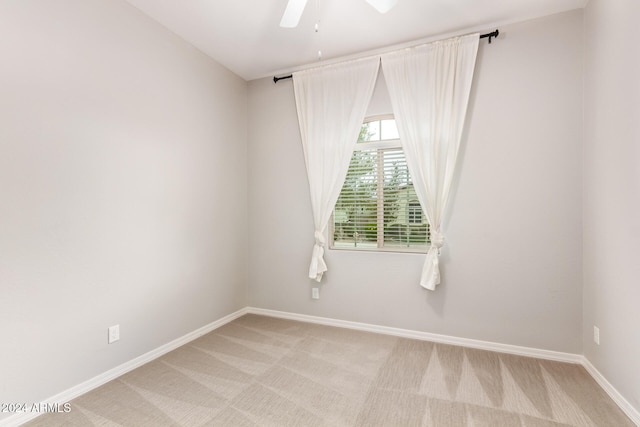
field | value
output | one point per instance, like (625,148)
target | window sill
(372,247)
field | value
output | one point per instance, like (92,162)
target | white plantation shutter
(355,213)
(398,193)
(374,209)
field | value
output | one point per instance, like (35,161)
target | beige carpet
(261,371)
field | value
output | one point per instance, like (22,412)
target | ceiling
(245,36)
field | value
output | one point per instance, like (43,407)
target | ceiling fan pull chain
(317,27)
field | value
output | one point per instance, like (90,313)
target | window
(415,213)
(378,208)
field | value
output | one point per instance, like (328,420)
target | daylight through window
(378,208)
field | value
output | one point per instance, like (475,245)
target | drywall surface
(612,193)
(122,191)
(512,264)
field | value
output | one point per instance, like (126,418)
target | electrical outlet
(315,293)
(114,334)
(596,335)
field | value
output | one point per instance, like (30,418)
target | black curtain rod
(490,35)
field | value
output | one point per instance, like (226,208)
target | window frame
(378,145)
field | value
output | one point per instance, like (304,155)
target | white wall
(122,149)
(122,191)
(512,267)
(612,193)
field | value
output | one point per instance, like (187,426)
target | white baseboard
(626,407)
(85,387)
(426,336)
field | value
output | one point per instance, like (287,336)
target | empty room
(319,213)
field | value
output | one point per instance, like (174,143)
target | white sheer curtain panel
(331,103)
(429,86)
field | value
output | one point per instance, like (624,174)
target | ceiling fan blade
(292,13)
(382,6)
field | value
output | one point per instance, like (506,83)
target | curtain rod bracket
(490,35)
